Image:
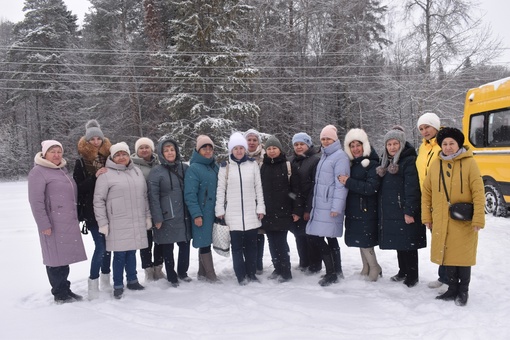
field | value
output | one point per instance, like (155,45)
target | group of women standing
(130,201)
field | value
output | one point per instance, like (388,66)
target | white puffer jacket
(242,195)
(120,201)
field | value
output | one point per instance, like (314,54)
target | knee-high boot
(337,262)
(207,262)
(365,270)
(453,284)
(464,279)
(331,276)
(375,269)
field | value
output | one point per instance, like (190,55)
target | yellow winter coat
(427,152)
(454,243)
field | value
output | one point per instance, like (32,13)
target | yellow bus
(486,125)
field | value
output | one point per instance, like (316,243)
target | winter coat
(200,185)
(303,178)
(428,151)
(454,243)
(274,175)
(52,194)
(399,195)
(84,174)
(166,197)
(361,209)
(143,165)
(240,198)
(329,195)
(120,201)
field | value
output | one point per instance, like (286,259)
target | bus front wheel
(494,201)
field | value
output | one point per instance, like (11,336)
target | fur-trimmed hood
(361,136)
(89,152)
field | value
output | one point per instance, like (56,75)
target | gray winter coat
(52,194)
(120,201)
(166,197)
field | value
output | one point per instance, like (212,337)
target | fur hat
(47,144)
(202,141)
(122,146)
(450,132)
(254,133)
(360,136)
(302,137)
(397,132)
(144,141)
(237,139)
(273,141)
(329,131)
(429,118)
(92,129)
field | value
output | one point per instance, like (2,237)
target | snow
(300,309)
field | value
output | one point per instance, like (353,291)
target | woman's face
(206,151)
(145,152)
(121,157)
(428,132)
(253,143)
(169,153)
(356,148)
(392,146)
(326,141)
(238,152)
(449,146)
(96,142)
(300,148)
(54,154)
(273,152)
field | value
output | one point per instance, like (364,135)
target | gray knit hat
(273,141)
(397,132)
(92,129)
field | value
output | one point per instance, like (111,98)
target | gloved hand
(148,223)
(104,230)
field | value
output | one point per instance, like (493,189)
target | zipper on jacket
(398,199)
(205,196)
(242,197)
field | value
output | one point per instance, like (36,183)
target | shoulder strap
(442,179)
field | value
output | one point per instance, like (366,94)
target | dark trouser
(101,258)
(279,249)
(335,252)
(124,260)
(58,281)
(260,251)
(408,264)
(458,278)
(146,253)
(299,230)
(442,274)
(244,253)
(182,260)
(204,250)
(326,252)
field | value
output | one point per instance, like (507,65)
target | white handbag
(221,238)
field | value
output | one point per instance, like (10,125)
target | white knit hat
(144,141)
(254,133)
(122,146)
(236,139)
(429,118)
(47,144)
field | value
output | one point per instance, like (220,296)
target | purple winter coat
(52,194)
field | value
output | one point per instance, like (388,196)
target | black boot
(453,284)
(330,276)
(464,280)
(337,262)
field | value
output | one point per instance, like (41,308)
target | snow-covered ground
(300,309)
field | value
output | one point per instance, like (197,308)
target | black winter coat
(303,180)
(400,194)
(361,208)
(274,175)
(86,183)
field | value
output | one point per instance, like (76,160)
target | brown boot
(207,262)
(201,269)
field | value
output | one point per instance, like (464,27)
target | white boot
(158,273)
(375,269)
(149,274)
(104,282)
(93,286)
(365,269)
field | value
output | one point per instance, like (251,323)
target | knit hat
(329,131)
(122,146)
(237,139)
(92,129)
(202,141)
(47,144)
(397,132)
(450,132)
(254,133)
(429,118)
(273,141)
(361,136)
(144,141)
(302,137)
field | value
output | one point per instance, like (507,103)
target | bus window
(499,128)
(476,130)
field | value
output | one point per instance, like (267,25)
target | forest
(183,68)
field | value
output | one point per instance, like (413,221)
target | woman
(275,178)
(453,177)
(429,124)
(361,208)
(169,213)
(256,151)
(145,159)
(52,194)
(400,225)
(304,163)
(122,213)
(94,149)
(239,199)
(200,185)
(328,207)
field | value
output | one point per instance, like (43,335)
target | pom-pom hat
(92,129)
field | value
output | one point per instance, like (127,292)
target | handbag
(221,237)
(458,211)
